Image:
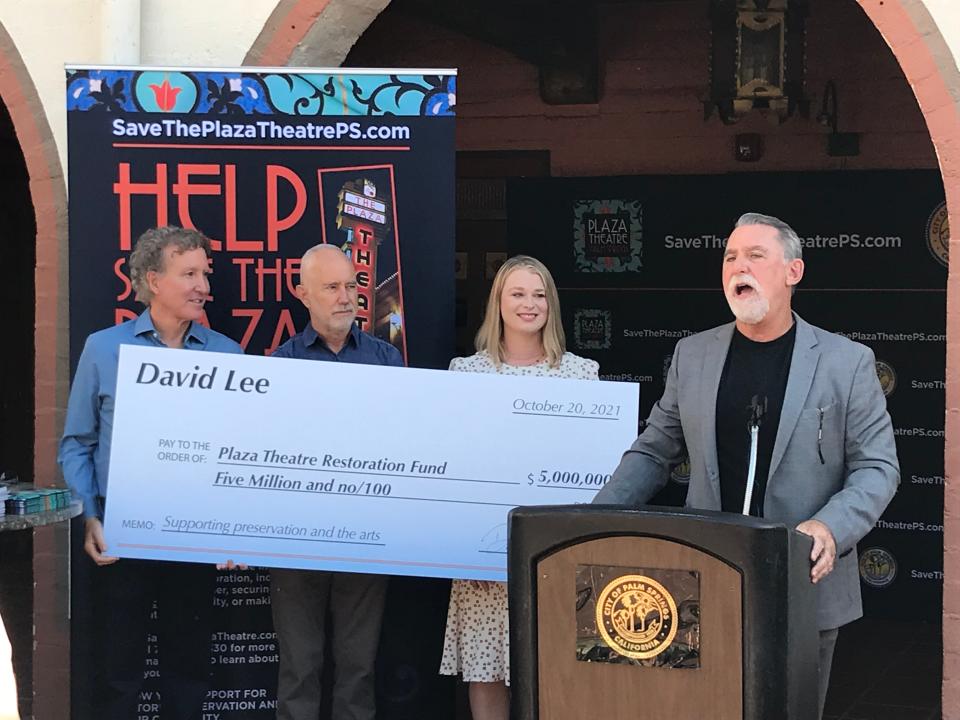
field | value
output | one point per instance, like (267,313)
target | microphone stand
(758,408)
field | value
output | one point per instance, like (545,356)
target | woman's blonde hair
(490,335)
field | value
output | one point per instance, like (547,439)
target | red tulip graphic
(165,95)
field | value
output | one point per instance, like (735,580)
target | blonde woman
(521,334)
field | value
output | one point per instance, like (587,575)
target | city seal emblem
(938,234)
(887,378)
(681,473)
(878,568)
(636,616)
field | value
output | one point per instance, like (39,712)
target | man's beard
(751,310)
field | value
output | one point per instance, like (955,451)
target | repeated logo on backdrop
(887,377)
(592,329)
(938,233)
(681,473)
(878,567)
(608,235)
(667,362)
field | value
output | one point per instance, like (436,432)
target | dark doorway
(482,227)
(18,232)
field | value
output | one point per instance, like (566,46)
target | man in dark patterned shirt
(301,598)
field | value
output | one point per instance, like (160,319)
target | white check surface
(322,465)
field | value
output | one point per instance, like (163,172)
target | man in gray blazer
(826,463)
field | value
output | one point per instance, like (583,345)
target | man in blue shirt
(301,598)
(168,269)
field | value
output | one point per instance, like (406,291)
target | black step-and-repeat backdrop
(637,260)
(268,164)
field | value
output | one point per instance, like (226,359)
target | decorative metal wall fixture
(757,58)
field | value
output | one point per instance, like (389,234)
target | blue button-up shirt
(361,348)
(85,447)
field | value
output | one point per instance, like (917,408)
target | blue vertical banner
(268,163)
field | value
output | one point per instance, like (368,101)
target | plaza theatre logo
(608,235)
(887,377)
(592,329)
(636,616)
(938,234)
(878,567)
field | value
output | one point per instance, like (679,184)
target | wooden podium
(659,613)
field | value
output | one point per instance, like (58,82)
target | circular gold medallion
(878,567)
(938,234)
(681,473)
(636,616)
(887,377)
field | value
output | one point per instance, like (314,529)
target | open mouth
(743,290)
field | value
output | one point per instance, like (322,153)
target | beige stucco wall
(211,33)
(946,14)
(51,33)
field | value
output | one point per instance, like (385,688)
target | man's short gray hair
(147,256)
(792,247)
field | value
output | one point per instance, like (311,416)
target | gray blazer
(829,375)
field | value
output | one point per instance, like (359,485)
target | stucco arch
(932,72)
(323,30)
(48,193)
(49,198)
(327,29)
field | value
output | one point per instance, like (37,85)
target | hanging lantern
(757,58)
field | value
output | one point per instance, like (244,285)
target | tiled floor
(886,670)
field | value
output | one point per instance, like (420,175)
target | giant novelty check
(304,464)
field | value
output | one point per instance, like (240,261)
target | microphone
(758,409)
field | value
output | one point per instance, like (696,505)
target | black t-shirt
(752,368)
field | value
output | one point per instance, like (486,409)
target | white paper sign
(324,465)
